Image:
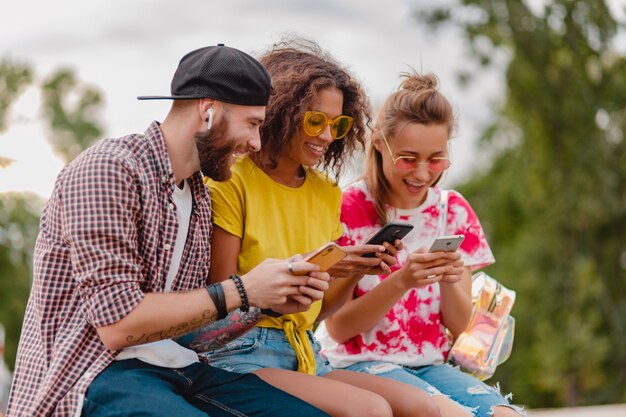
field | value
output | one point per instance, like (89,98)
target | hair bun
(419,82)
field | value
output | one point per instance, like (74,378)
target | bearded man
(122,258)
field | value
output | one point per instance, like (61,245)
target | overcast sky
(129,48)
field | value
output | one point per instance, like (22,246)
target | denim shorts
(473,394)
(263,347)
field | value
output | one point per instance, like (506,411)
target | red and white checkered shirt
(106,238)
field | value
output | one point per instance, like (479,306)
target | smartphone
(447,243)
(389,233)
(326,256)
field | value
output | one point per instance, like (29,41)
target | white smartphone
(447,243)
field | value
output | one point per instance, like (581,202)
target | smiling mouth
(413,184)
(316,148)
(237,153)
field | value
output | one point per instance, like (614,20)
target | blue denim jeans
(262,348)
(132,387)
(473,394)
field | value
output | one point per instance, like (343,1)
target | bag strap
(442,226)
(443,212)
(494,300)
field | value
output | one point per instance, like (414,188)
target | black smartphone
(389,233)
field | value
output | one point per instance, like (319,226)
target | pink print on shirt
(412,332)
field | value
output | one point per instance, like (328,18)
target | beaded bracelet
(216,291)
(245,304)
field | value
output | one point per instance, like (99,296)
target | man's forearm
(166,315)
(218,333)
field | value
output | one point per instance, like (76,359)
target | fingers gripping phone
(389,233)
(326,256)
(447,243)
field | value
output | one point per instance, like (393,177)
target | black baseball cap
(221,73)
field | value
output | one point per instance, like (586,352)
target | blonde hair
(417,100)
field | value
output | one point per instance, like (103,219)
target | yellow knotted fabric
(296,327)
(299,341)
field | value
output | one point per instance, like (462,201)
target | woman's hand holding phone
(448,244)
(425,268)
(390,233)
(355,264)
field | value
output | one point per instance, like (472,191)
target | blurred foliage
(69,109)
(5,162)
(553,201)
(19,225)
(14,78)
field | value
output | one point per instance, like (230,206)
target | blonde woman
(395,324)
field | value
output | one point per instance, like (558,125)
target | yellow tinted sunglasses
(315,123)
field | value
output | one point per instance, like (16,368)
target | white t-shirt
(167,353)
(412,332)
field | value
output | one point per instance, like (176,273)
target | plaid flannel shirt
(106,238)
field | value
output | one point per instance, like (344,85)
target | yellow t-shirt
(276,221)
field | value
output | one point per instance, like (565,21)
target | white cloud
(131,48)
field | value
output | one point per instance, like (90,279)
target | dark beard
(215,148)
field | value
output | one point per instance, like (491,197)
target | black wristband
(222,312)
(270,312)
(216,291)
(245,304)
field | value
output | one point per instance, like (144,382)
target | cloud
(132,48)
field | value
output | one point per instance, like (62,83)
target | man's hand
(317,284)
(274,284)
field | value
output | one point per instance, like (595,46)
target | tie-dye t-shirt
(412,332)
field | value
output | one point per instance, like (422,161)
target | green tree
(19,225)
(553,199)
(16,221)
(14,78)
(69,108)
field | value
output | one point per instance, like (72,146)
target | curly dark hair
(299,70)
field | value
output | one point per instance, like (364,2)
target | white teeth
(413,184)
(316,148)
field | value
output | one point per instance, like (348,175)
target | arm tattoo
(218,333)
(208,316)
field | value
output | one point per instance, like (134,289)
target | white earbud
(209,119)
